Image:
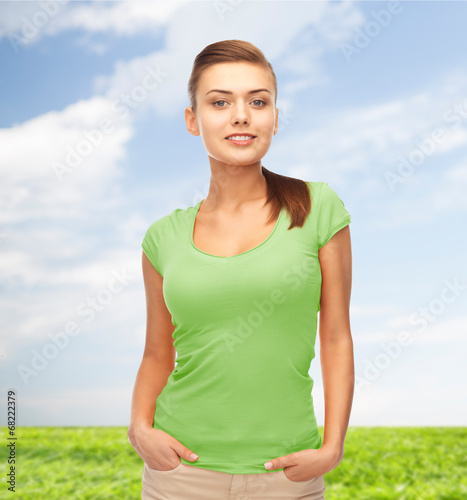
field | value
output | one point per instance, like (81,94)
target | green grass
(98,463)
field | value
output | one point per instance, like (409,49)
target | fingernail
(194,457)
(268,465)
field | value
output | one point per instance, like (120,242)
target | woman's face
(236,110)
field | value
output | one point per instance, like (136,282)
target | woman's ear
(191,122)
(276,125)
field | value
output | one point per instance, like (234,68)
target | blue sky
(363,87)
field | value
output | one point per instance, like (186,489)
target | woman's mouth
(241,140)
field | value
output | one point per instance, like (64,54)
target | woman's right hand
(158,449)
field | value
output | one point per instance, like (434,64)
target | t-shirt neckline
(261,245)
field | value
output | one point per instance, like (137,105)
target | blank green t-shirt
(245,330)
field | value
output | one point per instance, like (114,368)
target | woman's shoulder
(315,188)
(171,220)
(321,189)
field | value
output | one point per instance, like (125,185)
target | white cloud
(348,18)
(121,18)
(447,332)
(49,163)
(408,404)
(457,173)
(354,139)
(368,311)
(26,23)
(99,297)
(83,407)
(21,18)
(239,22)
(367,141)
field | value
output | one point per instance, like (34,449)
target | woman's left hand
(307,464)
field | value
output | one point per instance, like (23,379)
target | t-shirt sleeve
(333,215)
(150,246)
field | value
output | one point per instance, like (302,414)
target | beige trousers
(188,482)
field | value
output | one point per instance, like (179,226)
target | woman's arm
(158,449)
(337,365)
(336,345)
(159,353)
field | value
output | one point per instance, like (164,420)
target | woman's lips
(241,143)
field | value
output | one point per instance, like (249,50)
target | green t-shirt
(245,330)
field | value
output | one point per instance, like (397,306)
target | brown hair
(283,191)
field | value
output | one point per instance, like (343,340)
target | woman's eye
(258,101)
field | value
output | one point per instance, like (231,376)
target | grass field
(98,463)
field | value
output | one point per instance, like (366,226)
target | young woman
(233,286)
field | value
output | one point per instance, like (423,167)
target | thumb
(276,463)
(187,454)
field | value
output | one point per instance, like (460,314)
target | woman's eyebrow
(230,93)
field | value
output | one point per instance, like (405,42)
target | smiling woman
(233,287)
